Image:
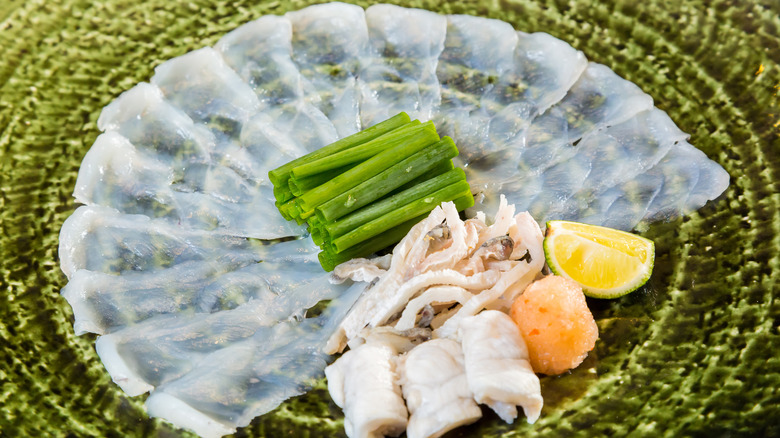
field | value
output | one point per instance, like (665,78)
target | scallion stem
(280,175)
(388,180)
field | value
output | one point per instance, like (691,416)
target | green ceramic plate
(693,353)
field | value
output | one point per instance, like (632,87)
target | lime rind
(636,282)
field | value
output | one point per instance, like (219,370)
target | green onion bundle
(364,192)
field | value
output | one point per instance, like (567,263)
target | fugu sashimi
(177,191)
(202,85)
(682,181)
(282,133)
(115,174)
(477,52)
(287,280)
(602,160)
(235,384)
(260,52)
(103,302)
(165,347)
(400,72)
(328,42)
(103,240)
(152,124)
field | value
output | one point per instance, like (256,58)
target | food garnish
(362,193)
(555,323)
(607,263)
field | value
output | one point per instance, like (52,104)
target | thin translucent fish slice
(261,53)
(477,52)
(165,347)
(603,160)
(400,72)
(328,42)
(681,182)
(101,239)
(543,70)
(202,85)
(286,126)
(287,281)
(233,385)
(598,99)
(156,127)
(209,197)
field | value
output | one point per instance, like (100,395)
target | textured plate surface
(692,353)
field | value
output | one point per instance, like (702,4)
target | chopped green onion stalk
(364,192)
(279,176)
(388,180)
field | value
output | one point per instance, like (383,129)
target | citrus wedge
(607,263)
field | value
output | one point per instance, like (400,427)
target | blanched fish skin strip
(497,366)
(328,42)
(231,386)
(363,383)
(400,72)
(528,238)
(360,315)
(287,280)
(436,389)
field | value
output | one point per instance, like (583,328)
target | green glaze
(693,353)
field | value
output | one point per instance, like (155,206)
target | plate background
(693,353)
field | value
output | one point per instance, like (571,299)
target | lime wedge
(607,263)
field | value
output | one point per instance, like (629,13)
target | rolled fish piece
(436,390)
(497,366)
(364,384)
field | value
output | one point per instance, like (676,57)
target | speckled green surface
(694,353)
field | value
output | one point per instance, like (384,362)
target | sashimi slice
(233,385)
(328,42)
(400,72)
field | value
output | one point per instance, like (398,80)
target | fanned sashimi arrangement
(199,286)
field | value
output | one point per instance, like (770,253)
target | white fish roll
(364,384)
(103,240)
(436,390)
(400,73)
(497,366)
(328,42)
(231,386)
